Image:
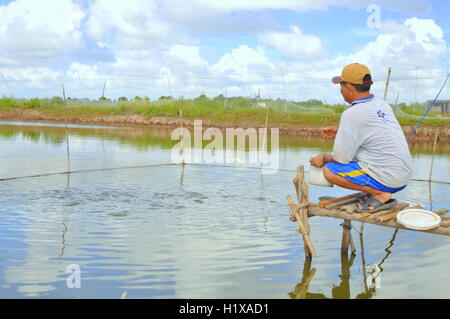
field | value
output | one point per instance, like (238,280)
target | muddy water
(205,231)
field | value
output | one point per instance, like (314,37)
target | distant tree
(122,98)
(311,102)
(57,100)
(220,97)
(31,103)
(137,98)
(146,98)
(102,98)
(161,98)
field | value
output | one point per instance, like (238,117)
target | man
(370,152)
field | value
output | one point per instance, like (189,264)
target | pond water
(198,231)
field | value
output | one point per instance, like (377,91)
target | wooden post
(347,237)
(300,211)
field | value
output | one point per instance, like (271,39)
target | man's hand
(329,132)
(317,161)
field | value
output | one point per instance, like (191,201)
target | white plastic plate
(418,219)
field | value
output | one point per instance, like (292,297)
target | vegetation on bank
(217,110)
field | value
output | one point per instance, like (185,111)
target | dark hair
(363,87)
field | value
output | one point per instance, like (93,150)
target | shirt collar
(363,99)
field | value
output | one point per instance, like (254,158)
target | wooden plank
(342,203)
(441,211)
(381,213)
(394,213)
(325,203)
(445,224)
(336,213)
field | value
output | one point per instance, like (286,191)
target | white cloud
(133,24)
(32,31)
(415,43)
(242,61)
(294,44)
(407,6)
(147,42)
(187,56)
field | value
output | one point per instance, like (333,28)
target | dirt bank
(31,115)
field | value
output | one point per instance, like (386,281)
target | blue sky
(141,46)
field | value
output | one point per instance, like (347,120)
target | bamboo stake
(67,135)
(387,83)
(432,158)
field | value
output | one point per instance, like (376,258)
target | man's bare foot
(382,196)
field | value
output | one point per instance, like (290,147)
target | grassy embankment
(234,112)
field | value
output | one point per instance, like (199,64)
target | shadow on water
(371,277)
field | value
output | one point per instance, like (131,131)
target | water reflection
(195,231)
(371,277)
(145,137)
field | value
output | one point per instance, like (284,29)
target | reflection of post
(301,289)
(182,147)
(343,290)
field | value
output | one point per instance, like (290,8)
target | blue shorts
(355,174)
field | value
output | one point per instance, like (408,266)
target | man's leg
(344,183)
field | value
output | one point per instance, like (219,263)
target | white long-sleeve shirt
(370,134)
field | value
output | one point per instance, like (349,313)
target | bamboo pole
(387,83)
(434,152)
(67,135)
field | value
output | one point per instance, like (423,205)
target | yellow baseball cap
(353,73)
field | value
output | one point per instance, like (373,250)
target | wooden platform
(343,208)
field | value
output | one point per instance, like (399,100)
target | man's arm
(321,160)
(329,132)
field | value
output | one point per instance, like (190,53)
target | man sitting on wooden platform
(370,152)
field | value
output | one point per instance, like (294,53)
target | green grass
(236,111)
